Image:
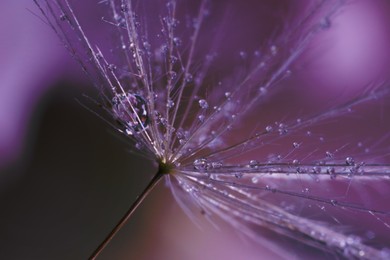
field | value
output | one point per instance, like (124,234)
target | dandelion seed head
(160,81)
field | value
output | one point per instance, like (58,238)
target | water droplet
(243,55)
(172,75)
(263,90)
(180,133)
(170,103)
(332,172)
(201,118)
(147,45)
(200,164)
(177,41)
(253,164)
(329,154)
(63,17)
(295,161)
(132,110)
(274,50)
(301,170)
(173,59)
(268,128)
(255,180)
(316,169)
(203,104)
(238,175)
(189,78)
(228,94)
(112,67)
(296,145)
(350,161)
(163,121)
(216,165)
(282,128)
(138,145)
(124,8)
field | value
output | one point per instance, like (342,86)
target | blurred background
(66,177)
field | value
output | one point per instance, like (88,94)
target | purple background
(64,176)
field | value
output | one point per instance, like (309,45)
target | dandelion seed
(201,145)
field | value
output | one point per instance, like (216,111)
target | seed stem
(127,215)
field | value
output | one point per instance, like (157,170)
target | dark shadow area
(75,181)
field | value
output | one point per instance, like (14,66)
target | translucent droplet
(177,41)
(349,161)
(296,145)
(238,175)
(63,17)
(216,165)
(332,172)
(255,180)
(112,67)
(163,121)
(201,118)
(200,164)
(189,78)
(172,75)
(301,170)
(243,55)
(253,164)
(268,128)
(263,90)
(170,103)
(173,59)
(228,94)
(329,154)
(203,104)
(316,169)
(274,49)
(147,45)
(131,110)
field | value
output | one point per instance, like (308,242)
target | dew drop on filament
(200,164)
(253,164)
(349,161)
(203,104)
(131,110)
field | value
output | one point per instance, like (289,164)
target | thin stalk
(127,215)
